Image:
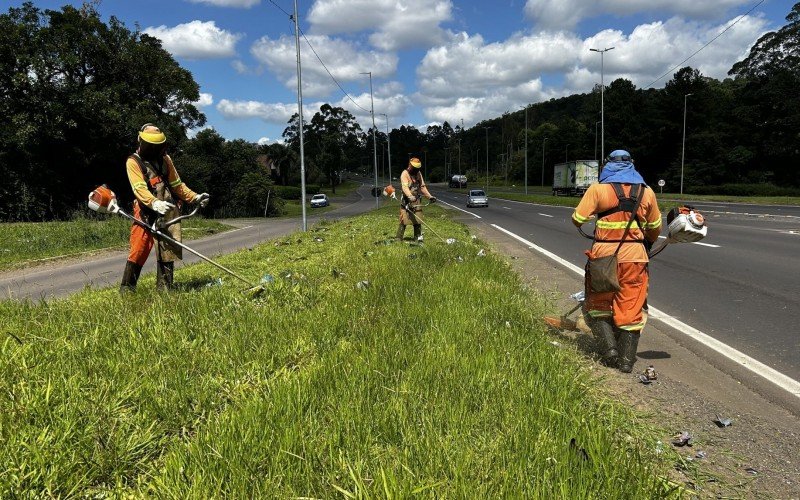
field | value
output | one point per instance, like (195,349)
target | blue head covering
(620,169)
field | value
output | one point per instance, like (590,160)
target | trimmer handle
(178,219)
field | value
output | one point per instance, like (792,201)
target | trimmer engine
(686,225)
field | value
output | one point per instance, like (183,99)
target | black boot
(401,230)
(604,332)
(164,275)
(418,232)
(129,277)
(628,343)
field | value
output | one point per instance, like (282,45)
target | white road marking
(450,205)
(507,208)
(545,215)
(695,243)
(239,229)
(784,382)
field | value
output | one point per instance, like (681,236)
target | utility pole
(595,139)
(543,144)
(388,146)
(526,149)
(602,109)
(300,117)
(683,145)
(486,182)
(374,143)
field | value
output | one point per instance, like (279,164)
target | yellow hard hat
(151,134)
(414,162)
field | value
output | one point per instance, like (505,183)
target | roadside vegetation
(368,368)
(28,243)
(293,208)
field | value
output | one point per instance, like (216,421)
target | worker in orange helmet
(413,186)
(628,222)
(158,191)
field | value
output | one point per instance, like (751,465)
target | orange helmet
(414,162)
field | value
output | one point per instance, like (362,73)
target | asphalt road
(64,277)
(740,285)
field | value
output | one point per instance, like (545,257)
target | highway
(740,285)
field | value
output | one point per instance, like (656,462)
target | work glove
(433,199)
(202,199)
(412,199)
(162,206)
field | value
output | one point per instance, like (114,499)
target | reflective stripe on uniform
(579,218)
(138,185)
(652,225)
(176,182)
(604,224)
(595,313)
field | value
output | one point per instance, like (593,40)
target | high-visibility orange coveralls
(624,306)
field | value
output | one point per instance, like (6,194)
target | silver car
(319,200)
(477,198)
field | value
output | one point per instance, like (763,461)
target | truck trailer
(574,177)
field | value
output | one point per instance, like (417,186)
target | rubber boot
(130,277)
(628,343)
(418,232)
(604,332)
(401,230)
(164,275)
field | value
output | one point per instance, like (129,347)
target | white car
(319,200)
(477,198)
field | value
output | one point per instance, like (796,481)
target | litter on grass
(682,439)
(267,279)
(650,373)
(723,422)
(482,253)
(450,241)
(362,285)
(212,283)
(643,379)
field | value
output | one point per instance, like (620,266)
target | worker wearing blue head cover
(619,168)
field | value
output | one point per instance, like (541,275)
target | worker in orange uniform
(413,187)
(158,190)
(617,317)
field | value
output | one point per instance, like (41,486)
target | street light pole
(300,118)
(683,145)
(374,143)
(526,149)
(602,106)
(486,181)
(388,146)
(543,144)
(595,139)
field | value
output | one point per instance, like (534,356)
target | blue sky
(432,60)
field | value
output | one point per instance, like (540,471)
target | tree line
(74,90)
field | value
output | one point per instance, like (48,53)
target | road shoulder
(756,456)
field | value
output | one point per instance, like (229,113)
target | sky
(431,60)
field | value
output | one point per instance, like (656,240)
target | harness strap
(626,204)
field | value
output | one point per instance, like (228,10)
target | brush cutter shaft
(158,234)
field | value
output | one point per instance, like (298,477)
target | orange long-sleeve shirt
(139,183)
(601,197)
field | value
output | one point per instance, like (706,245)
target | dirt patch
(755,457)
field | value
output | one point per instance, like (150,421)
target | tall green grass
(367,369)
(24,242)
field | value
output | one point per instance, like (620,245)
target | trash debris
(555,343)
(459,259)
(216,282)
(474,237)
(578,296)
(450,241)
(363,285)
(700,454)
(482,253)
(751,471)
(267,279)
(368,254)
(643,379)
(318,239)
(336,273)
(723,422)
(580,451)
(650,373)
(682,439)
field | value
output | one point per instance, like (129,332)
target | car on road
(477,198)
(319,200)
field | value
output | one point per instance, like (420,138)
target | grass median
(27,243)
(368,368)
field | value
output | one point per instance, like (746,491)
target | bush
(745,190)
(294,193)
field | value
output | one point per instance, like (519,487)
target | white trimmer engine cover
(686,225)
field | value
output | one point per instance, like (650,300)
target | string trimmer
(103,200)
(389,192)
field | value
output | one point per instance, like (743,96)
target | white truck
(458,181)
(574,177)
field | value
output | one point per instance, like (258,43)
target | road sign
(661,185)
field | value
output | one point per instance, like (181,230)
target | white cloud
(229,3)
(196,40)
(266,140)
(277,113)
(566,14)
(394,24)
(205,100)
(342,58)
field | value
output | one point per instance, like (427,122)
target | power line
(320,59)
(707,44)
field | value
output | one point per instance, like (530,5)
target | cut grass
(435,378)
(27,243)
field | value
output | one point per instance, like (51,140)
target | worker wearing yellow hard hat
(158,191)
(413,186)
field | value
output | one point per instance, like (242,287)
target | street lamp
(602,110)
(300,119)
(374,143)
(543,143)
(526,149)
(388,145)
(683,145)
(486,182)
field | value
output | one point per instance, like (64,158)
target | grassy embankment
(293,208)
(367,369)
(26,243)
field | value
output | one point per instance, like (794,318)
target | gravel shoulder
(755,457)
